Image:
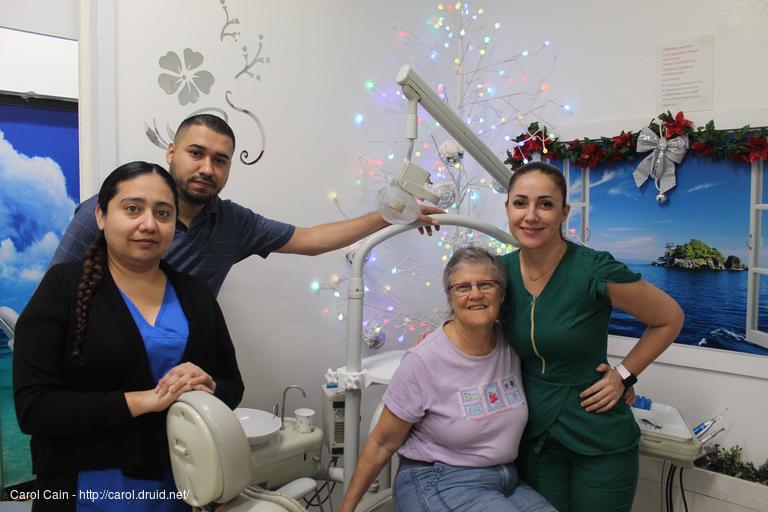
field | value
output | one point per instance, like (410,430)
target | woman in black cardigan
(105,346)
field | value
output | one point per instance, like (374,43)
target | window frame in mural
(756,207)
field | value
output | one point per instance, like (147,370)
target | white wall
(56,18)
(321,53)
(38,48)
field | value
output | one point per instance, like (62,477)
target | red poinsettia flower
(701,148)
(591,155)
(532,145)
(622,141)
(758,148)
(676,126)
(516,154)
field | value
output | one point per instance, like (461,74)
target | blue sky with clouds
(709,203)
(40,186)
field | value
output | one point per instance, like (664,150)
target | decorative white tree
(498,98)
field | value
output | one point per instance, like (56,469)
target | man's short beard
(192,197)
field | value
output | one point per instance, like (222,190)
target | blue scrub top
(110,489)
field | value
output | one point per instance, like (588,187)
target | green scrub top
(561,337)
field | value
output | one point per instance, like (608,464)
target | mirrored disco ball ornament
(446,191)
(374,336)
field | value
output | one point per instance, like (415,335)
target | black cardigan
(77,415)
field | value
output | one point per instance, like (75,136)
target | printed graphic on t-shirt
(491,398)
(511,390)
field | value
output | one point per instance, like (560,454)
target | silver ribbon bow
(660,164)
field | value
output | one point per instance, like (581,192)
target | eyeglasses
(464,289)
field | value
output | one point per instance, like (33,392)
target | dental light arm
(415,88)
(396,201)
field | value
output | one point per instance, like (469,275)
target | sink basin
(258,425)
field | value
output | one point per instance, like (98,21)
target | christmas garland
(744,144)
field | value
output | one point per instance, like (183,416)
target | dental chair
(214,465)
(211,458)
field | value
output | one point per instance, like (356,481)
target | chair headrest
(210,456)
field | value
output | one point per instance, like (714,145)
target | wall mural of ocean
(39,172)
(710,204)
(715,305)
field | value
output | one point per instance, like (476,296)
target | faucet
(282,410)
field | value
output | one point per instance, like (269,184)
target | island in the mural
(696,255)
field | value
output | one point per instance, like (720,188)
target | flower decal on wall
(184,78)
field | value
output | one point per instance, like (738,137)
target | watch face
(630,381)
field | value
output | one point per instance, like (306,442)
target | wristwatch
(627,377)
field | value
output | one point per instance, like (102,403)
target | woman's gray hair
(475,256)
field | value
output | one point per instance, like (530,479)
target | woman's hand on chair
(143,402)
(187,376)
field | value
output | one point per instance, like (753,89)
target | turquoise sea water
(17,464)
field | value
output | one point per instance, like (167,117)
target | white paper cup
(303,420)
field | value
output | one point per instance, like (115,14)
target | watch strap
(627,378)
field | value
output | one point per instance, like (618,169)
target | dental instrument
(713,434)
(702,427)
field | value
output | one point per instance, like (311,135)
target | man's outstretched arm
(329,237)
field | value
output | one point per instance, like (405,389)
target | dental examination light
(396,202)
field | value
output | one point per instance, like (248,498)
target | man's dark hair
(211,121)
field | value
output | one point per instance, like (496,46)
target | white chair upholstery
(210,455)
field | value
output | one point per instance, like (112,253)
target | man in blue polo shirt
(212,234)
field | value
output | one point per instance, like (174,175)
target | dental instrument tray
(662,421)
(665,435)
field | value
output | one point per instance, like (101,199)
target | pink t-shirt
(466,410)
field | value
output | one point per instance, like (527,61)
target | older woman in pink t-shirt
(455,409)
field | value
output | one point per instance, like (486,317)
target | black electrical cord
(670,481)
(661,481)
(682,490)
(316,500)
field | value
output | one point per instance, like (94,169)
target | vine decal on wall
(228,23)
(258,59)
(244,153)
(184,77)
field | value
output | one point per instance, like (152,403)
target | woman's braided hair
(95,260)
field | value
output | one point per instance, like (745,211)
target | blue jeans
(441,487)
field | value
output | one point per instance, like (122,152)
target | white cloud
(637,241)
(32,274)
(626,189)
(605,178)
(632,248)
(705,186)
(34,211)
(575,186)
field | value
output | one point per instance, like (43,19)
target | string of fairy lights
(497,98)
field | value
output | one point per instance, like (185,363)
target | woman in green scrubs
(580,448)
